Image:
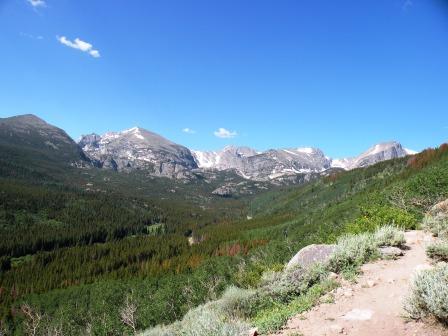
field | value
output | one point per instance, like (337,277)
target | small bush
(159,331)
(352,251)
(438,251)
(437,224)
(274,317)
(389,236)
(293,282)
(280,294)
(375,216)
(429,294)
(204,320)
(236,302)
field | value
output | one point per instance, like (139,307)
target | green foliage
(352,251)
(274,317)
(438,251)
(76,254)
(281,295)
(436,224)
(237,302)
(389,236)
(429,294)
(204,320)
(374,216)
(282,286)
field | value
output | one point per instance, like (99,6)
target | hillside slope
(374,305)
(165,276)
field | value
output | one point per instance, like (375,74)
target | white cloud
(80,45)
(95,53)
(224,133)
(37,3)
(188,130)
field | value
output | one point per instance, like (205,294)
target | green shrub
(389,236)
(204,320)
(292,282)
(236,302)
(429,294)
(437,224)
(352,251)
(438,251)
(280,294)
(274,317)
(375,216)
(355,250)
(159,331)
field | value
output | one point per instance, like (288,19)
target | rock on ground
(311,254)
(390,252)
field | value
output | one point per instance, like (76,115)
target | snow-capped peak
(306,150)
(410,151)
(134,129)
(379,152)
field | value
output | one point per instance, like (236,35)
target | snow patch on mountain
(139,149)
(275,163)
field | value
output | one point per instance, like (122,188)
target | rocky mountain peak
(379,152)
(34,134)
(288,162)
(138,148)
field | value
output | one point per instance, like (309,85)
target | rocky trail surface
(372,306)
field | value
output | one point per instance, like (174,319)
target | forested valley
(75,257)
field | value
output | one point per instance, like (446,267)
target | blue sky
(339,75)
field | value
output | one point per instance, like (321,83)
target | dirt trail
(373,306)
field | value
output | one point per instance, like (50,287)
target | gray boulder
(390,252)
(311,254)
(439,209)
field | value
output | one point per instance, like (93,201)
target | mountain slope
(230,157)
(33,149)
(157,269)
(268,165)
(358,309)
(282,163)
(137,148)
(379,152)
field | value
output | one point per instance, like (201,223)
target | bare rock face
(379,152)
(311,254)
(286,163)
(439,208)
(265,166)
(139,149)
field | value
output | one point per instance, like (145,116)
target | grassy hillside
(81,282)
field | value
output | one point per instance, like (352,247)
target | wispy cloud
(407,4)
(31,36)
(80,45)
(224,133)
(37,3)
(188,130)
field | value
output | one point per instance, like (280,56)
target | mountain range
(140,149)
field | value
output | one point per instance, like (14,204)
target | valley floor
(372,306)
